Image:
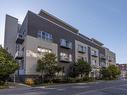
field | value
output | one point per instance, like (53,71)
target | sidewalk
(69,84)
(18,85)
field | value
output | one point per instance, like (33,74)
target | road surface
(118,87)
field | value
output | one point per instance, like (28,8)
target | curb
(68,84)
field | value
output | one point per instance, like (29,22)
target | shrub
(88,79)
(38,80)
(57,80)
(2,83)
(29,81)
(70,80)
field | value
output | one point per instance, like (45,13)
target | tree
(110,72)
(73,71)
(58,69)
(105,73)
(84,67)
(7,65)
(47,65)
(41,67)
(80,68)
(114,71)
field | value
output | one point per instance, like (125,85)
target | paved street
(98,88)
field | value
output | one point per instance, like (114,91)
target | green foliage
(84,67)
(73,71)
(7,64)
(80,68)
(112,72)
(47,65)
(105,73)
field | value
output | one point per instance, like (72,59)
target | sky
(104,20)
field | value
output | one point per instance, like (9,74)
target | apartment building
(110,57)
(123,69)
(43,32)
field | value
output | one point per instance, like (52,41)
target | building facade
(43,32)
(123,69)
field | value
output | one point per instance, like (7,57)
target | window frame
(44,35)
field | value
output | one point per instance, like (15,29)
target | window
(21,64)
(23,49)
(70,57)
(39,34)
(17,47)
(81,49)
(93,52)
(44,35)
(94,62)
(80,58)
(44,50)
(65,57)
(66,43)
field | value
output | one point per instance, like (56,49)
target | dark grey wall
(24,27)
(56,20)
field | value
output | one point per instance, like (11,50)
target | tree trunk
(41,76)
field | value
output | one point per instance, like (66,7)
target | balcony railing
(64,59)
(94,54)
(102,57)
(19,55)
(103,64)
(95,66)
(81,51)
(110,60)
(20,38)
(65,44)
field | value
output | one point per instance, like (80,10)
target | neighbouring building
(43,32)
(123,68)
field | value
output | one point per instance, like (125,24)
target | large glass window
(44,50)
(44,35)
(81,48)
(94,52)
(66,43)
(65,57)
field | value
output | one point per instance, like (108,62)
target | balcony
(102,57)
(20,39)
(64,59)
(95,66)
(19,55)
(65,44)
(110,60)
(103,64)
(94,55)
(81,49)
